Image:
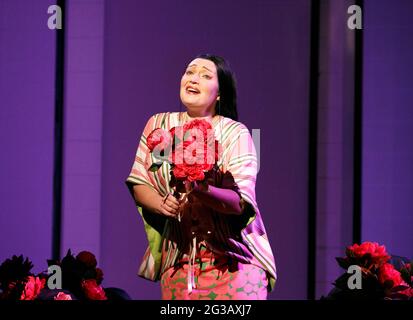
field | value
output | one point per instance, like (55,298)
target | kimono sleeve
(139,172)
(154,224)
(242,164)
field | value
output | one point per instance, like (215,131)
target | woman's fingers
(168,214)
(168,211)
(169,206)
(172,202)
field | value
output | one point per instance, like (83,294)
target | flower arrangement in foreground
(192,152)
(80,279)
(383,276)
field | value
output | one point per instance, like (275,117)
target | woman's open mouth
(192,90)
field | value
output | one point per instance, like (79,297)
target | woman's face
(199,87)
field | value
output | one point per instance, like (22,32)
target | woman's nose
(194,78)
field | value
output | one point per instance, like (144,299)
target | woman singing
(207,241)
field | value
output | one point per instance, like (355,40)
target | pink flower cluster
(376,252)
(191,149)
(374,262)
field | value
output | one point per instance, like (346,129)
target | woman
(219,250)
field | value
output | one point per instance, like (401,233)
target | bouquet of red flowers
(80,280)
(191,150)
(382,276)
(81,276)
(16,280)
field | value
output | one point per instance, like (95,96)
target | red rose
(179,171)
(204,126)
(377,253)
(63,296)
(189,172)
(92,290)
(158,138)
(389,275)
(33,287)
(200,132)
(194,153)
(87,258)
(187,152)
(176,156)
(195,172)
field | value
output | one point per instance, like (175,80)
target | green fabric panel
(154,236)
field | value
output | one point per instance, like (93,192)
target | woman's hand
(168,206)
(149,198)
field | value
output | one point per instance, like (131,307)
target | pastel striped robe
(239,158)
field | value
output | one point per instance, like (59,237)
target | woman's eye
(189,72)
(206,76)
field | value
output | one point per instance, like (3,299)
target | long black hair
(227,103)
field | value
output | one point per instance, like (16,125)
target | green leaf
(155,167)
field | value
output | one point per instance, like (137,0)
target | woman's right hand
(168,206)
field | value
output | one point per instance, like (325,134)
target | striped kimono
(241,238)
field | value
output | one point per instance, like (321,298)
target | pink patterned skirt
(215,278)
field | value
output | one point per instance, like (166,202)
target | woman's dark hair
(227,103)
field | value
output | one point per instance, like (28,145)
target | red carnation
(202,125)
(195,172)
(179,171)
(194,150)
(194,153)
(377,253)
(63,296)
(190,172)
(158,138)
(33,287)
(389,275)
(92,290)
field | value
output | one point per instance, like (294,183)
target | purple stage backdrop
(147,47)
(388,125)
(27,83)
